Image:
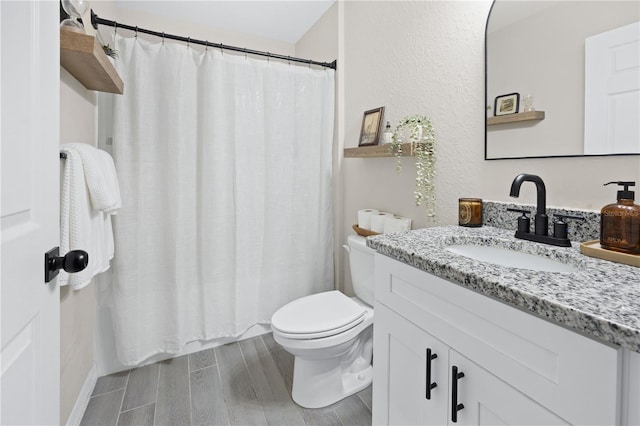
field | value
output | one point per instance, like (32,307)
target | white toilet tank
(361,264)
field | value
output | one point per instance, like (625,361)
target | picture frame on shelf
(371,126)
(507,104)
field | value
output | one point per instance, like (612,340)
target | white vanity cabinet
(518,369)
(413,361)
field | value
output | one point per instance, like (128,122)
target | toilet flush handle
(347,248)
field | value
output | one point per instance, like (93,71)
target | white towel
(100,174)
(81,226)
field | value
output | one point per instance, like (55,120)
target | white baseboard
(83,397)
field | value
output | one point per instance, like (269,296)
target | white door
(29,308)
(612,91)
(488,400)
(403,372)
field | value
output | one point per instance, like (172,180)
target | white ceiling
(285,21)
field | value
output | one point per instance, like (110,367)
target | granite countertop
(601,299)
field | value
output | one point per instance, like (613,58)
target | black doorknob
(73,261)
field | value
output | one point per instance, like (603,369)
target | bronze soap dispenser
(620,222)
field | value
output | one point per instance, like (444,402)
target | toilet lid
(319,315)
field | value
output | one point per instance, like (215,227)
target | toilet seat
(326,333)
(317,316)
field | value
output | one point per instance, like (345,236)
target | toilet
(331,335)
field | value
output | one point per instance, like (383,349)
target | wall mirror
(538,48)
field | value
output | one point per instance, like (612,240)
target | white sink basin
(511,258)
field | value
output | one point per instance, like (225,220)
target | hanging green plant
(422,137)
(109,51)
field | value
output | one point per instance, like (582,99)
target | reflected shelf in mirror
(514,118)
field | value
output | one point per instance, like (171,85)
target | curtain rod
(96,20)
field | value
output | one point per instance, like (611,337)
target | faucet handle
(560,228)
(523,211)
(567,216)
(524,222)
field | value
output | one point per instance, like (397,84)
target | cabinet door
(488,400)
(403,373)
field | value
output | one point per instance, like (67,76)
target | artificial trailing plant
(423,140)
(109,51)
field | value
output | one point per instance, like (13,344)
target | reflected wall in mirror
(537,48)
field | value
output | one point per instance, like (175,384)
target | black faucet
(541,220)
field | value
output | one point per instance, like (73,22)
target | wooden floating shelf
(83,57)
(375,151)
(514,118)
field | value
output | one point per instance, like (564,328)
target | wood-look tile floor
(244,383)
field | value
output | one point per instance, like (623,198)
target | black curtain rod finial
(94,22)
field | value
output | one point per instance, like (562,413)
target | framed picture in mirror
(371,124)
(507,104)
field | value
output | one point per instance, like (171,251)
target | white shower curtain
(225,168)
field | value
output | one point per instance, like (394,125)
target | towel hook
(245,53)
(188,41)
(206,45)
(163,38)
(221,47)
(115,29)
(136,31)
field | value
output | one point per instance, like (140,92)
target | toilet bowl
(331,336)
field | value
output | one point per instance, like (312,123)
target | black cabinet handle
(455,407)
(430,385)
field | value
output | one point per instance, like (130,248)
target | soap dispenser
(620,222)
